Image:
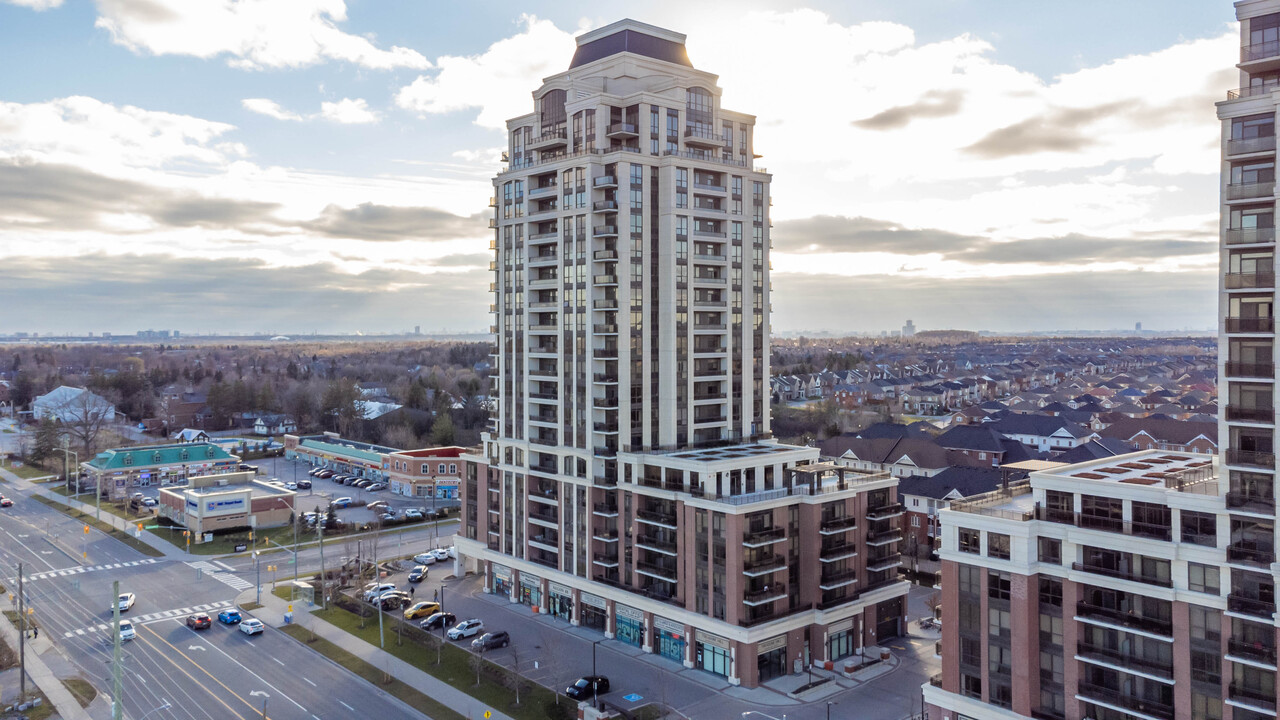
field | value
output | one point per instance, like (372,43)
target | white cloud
(498,81)
(36,5)
(255,34)
(348,111)
(270,108)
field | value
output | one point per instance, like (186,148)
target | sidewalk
(38,671)
(272,613)
(169,549)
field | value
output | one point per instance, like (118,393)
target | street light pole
(595,694)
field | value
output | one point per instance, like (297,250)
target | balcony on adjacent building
(1255,651)
(703,137)
(661,570)
(885,512)
(1251,606)
(833,526)
(622,130)
(763,536)
(837,578)
(884,562)
(766,594)
(605,509)
(1250,324)
(1255,52)
(1113,656)
(605,206)
(1248,191)
(1252,458)
(1265,279)
(1251,553)
(604,231)
(604,181)
(763,564)
(657,516)
(609,560)
(1251,414)
(1116,698)
(1121,574)
(1253,696)
(548,139)
(837,551)
(543,514)
(1244,146)
(1125,618)
(1251,369)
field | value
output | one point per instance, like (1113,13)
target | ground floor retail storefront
(748,657)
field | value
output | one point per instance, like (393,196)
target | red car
(199,621)
(5,502)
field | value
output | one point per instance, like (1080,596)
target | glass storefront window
(713,659)
(840,645)
(671,645)
(630,631)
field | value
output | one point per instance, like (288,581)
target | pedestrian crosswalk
(221,575)
(93,568)
(211,608)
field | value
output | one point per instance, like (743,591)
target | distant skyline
(307,164)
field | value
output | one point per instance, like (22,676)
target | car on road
(413,514)
(126,630)
(373,590)
(491,640)
(251,626)
(466,628)
(199,621)
(304,484)
(440,554)
(418,574)
(439,620)
(588,686)
(5,502)
(425,558)
(422,608)
(229,617)
(126,601)
(342,502)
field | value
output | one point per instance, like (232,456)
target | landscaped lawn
(29,472)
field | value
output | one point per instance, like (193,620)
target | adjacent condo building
(629,482)
(1143,586)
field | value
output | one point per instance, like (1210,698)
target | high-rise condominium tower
(629,482)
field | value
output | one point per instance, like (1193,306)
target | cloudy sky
(315,165)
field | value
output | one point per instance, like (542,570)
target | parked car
(251,626)
(418,574)
(439,620)
(587,687)
(453,551)
(126,601)
(362,484)
(375,504)
(373,590)
(425,558)
(325,474)
(229,617)
(376,487)
(304,484)
(291,486)
(413,514)
(199,621)
(127,632)
(440,554)
(465,629)
(422,608)
(342,502)
(313,472)
(393,600)
(149,501)
(491,640)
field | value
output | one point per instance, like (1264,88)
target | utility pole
(382,641)
(22,639)
(117,691)
(323,577)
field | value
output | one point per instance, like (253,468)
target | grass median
(401,690)
(456,667)
(110,531)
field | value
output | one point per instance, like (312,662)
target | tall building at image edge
(629,482)
(1143,586)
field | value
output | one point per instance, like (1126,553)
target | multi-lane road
(210,674)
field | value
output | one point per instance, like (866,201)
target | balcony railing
(605,559)
(1123,659)
(764,564)
(1241,146)
(884,563)
(1253,553)
(657,516)
(1251,414)
(1251,91)
(1248,280)
(1252,696)
(834,579)
(1250,606)
(543,515)
(765,536)
(1250,236)
(1121,574)
(1105,523)
(1252,650)
(604,181)
(1125,618)
(653,541)
(605,509)
(1245,191)
(1258,370)
(833,526)
(1250,324)
(622,129)
(664,571)
(1253,458)
(769,593)
(1259,51)
(1241,500)
(1125,700)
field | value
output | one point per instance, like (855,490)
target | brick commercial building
(630,483)
(425,473)
(226,502)
(330,450)
(120,471)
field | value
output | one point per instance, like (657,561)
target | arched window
(552,109)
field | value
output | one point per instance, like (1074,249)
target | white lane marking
(77,570)
(346,706)
(278,662)
(259,677)
(312,685)
(24,546)
(223,565)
